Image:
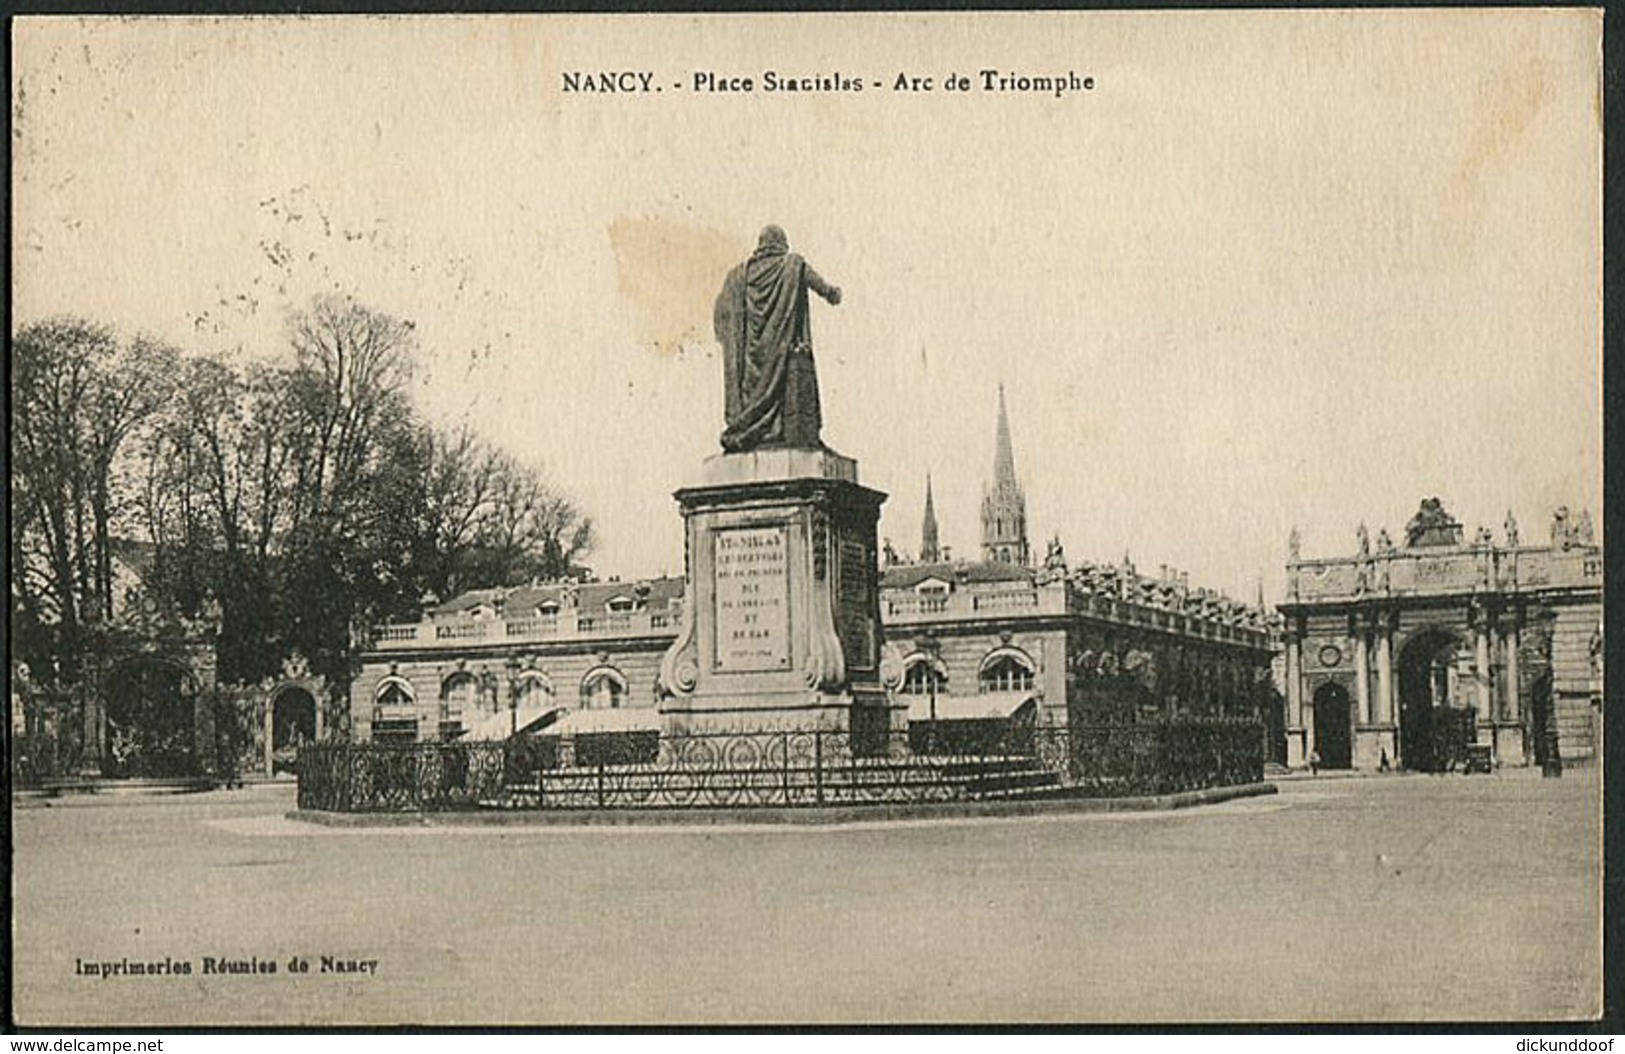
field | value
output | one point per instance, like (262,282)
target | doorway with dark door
(1334,734)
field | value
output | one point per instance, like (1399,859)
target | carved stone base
(1371,742)
(1506,738)
(1297,756)
(781,619)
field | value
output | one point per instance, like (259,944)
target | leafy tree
(79,394)
(217,501)
(298,500)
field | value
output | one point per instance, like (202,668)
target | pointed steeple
(930,549)
(1004,507)
(1004,457)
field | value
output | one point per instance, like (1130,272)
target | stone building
(492,661)
(1090,644)
(1389,646)
(995,638)
(1078,644)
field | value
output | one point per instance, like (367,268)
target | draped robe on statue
(761,321)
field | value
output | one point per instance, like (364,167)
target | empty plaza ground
(1402,897)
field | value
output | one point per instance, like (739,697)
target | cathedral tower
(1004,506)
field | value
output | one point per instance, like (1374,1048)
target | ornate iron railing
(780,768)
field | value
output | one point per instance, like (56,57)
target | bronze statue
(761,318)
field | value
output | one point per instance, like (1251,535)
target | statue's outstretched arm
(822,288)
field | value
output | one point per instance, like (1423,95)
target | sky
(1275,269)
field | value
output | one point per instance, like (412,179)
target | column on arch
(1294,679)
(1385,670)
(1362,668)
(1509,644)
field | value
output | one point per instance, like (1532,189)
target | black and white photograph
(765,520)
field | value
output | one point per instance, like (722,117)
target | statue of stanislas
(761,318)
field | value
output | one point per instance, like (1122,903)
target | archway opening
(1428,695)
(151,720)
(293,719)
(1334,734)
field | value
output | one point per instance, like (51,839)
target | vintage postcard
(795,520)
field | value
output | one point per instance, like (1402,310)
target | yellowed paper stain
(671,272)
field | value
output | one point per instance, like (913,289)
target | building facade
(995,638)
(1388,647)
(1093,644)
(521,655)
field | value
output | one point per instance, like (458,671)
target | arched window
(603,689)
(458,696)
(393,691)
(1007,671)
(533,689)
(922,676)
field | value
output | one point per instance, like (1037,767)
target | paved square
(1403,897)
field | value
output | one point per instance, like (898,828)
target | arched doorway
(1334,738)
(1427,684)
(151,719)
(293,724)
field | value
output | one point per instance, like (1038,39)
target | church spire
(1004,507)
(1004,458)
(930,548)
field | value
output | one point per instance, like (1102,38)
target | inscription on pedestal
(752,599)
(853,599)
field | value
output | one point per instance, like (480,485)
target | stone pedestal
(1297,755)
(1507,740)
(1371,742)
(781,619)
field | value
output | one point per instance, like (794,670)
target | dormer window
(933,587)
(547,608)
(619,603)
(482,611)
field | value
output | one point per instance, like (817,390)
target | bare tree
(491,520)
(351,367)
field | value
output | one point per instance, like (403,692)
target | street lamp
(513,695)
(931,648)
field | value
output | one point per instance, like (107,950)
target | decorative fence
(777,768)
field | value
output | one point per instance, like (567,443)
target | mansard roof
(907,576)
(591,597)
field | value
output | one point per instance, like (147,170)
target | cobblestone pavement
(1405,897)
